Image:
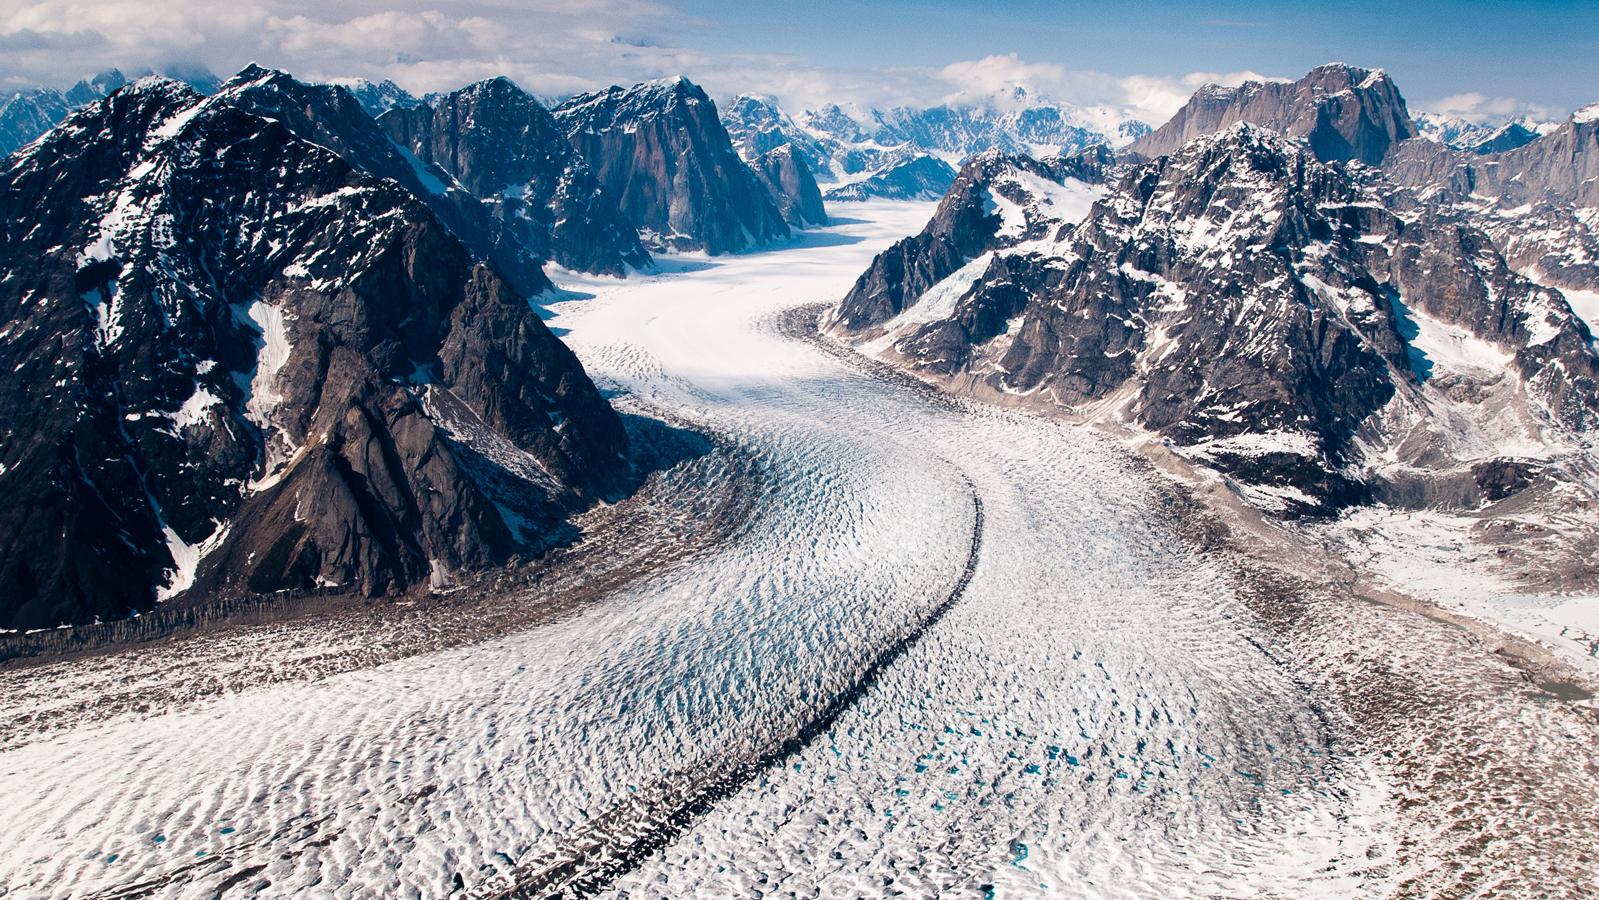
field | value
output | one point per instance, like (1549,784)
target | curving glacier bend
(1078,701)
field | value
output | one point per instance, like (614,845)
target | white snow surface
(1454,348)
(1091,718)
(1432,554)
(1586,305)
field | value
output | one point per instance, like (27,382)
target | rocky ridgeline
(1343,112)
(239,360)
(660,149)
(505,148)
(1261,297)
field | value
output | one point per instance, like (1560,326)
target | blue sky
(1543,52)
(1475,58)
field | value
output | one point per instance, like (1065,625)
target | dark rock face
(919,177)
(792,186)
(1559,167)
(757,126)
(1343,112)
(1260,309)
(661,151)
(502,145)
(966,224)
(235,363)
(330,115)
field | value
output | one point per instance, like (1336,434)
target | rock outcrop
(997,200)
(1343,112)
(502,145)
(660,149)
(792,186)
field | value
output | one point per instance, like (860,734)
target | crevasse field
(955,651)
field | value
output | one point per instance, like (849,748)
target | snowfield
(956,650)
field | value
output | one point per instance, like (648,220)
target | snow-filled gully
(955,651)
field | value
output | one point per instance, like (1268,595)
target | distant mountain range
(27,114)
(857,154)
(1459,134)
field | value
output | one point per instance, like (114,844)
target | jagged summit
(649,98)
(379,97)
(1344,112)
(506,148)
(330,115)
(238,363)
(662,151)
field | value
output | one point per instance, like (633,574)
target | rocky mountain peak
(379,97)
(236,363)
(1344,112)
(92,89)
(792,186)
(507,149)
(331,116)
(661,149)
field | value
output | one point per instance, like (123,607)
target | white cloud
(1480,109)
(551,47)
(1156,98)
(1152,98)
(560,44)
(996,74)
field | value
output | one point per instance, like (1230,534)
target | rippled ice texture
(1091,718)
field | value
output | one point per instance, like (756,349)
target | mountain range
(909,152)
(1287,284)
(27,114)
(237,361)
(221,303)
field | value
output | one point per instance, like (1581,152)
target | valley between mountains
(941,647)
(632,493)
